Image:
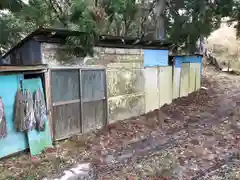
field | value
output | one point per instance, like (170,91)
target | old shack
(126,77)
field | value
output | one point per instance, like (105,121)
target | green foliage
(199,19)
(10,29)
(12,5)
(49,13)
(121,16)
(36,14)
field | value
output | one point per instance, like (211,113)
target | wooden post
(47,76)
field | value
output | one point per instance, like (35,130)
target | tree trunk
(160,28)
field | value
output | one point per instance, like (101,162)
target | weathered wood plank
(67,121)
(47,87)
(22,68)
(94,115)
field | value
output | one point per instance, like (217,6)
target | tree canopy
(181,21)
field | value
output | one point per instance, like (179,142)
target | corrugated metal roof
(103,40)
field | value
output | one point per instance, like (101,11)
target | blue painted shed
(11,78)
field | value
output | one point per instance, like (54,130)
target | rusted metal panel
(93,87)
(124,107)
(94,115)
(65,85)
(67,120)
(122,81)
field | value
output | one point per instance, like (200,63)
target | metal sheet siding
(151,89)
(184,87)
(165,85)
(28,54)
(155,58)
(176,82)
(195,63)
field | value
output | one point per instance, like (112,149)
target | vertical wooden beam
(81,100)
(47,76)
(106,97)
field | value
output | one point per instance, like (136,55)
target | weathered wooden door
(65,91)
(93,99)
(79,100)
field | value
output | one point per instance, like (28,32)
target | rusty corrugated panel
(124,81)
(125,90)
(126,106)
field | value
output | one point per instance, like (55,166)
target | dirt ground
(198,139)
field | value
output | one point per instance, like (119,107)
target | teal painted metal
(38,141)
(15,141)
